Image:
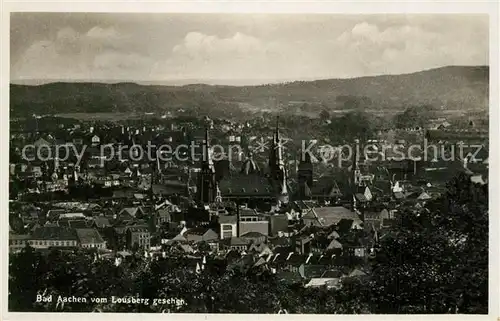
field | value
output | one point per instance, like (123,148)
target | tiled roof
(53,233)
(132,211)
(240,184)
(169,189)
(197,231)
(236,241)
(89,236)
(332,274)
(227,219)
(326,216)
(312,271)
(252,235)
(327,186)
(77,224)
(164,213)
(137,228)
(13,236)
(101,222)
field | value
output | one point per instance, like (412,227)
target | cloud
(97,53)
(200,55)
(407,48)
(264,47)
(106,33)
(199,45)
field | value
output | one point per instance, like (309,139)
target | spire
(278,145)
(277,133)
(207,157)
(207,142)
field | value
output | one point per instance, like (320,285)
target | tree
(436,261)
(324,114)
(414,116)
(204,247)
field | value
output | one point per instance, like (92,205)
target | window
(227,227)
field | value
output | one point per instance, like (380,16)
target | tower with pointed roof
(277,169)
(206,188)
(356,176)
(305,176)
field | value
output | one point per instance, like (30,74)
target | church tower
(277,169)
(356,176)
(206,188)
(305,176)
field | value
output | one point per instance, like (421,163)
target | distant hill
(449,88)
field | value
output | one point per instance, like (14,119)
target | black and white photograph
(248,163)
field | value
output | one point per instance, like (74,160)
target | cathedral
(250,184)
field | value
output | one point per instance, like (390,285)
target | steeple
(277,166)
(305,176)
(276,156)
(207,161)
(355,175)
(355,166)
(206,187)
(277,132)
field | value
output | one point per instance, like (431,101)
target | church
(250,185)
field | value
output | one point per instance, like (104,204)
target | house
(17,242)
(95,140)
(251,221)
(330,279)
(478,179)
(228,226)
(73,216)
(278,223)
(365,196)
(260,248)
(53,236)
(138,235)
(90,238)
(173,237)
(303,244)
(163,216)
(310,271)
(327,216)
(53,215)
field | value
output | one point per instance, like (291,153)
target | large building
(248,185)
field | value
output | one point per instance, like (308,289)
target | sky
(229,48)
